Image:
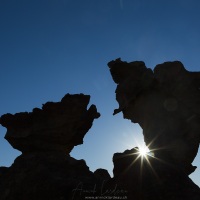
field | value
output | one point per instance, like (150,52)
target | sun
(143,151)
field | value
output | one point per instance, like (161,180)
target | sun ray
(132,163)
(144,156)
(152,169)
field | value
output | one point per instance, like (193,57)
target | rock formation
(148,178)
(56,127)
(165,102)
(46,136)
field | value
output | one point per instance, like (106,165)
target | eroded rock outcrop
(165,102)
(148,178)
(46,136)
(56,127)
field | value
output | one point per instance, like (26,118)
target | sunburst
(143,151)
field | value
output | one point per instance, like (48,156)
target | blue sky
(52,47)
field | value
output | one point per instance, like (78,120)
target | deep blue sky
(52,47)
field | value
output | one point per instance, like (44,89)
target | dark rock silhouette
(46,175)
(3,170)
(165,102)
(46,136)
(148,178)
(102,174)
(56,127)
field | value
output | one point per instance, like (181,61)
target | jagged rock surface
(57,126)
(147,178)
(102,174)
(45,175)
(165,102)
(46,136)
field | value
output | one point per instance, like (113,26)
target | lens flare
(143,151)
